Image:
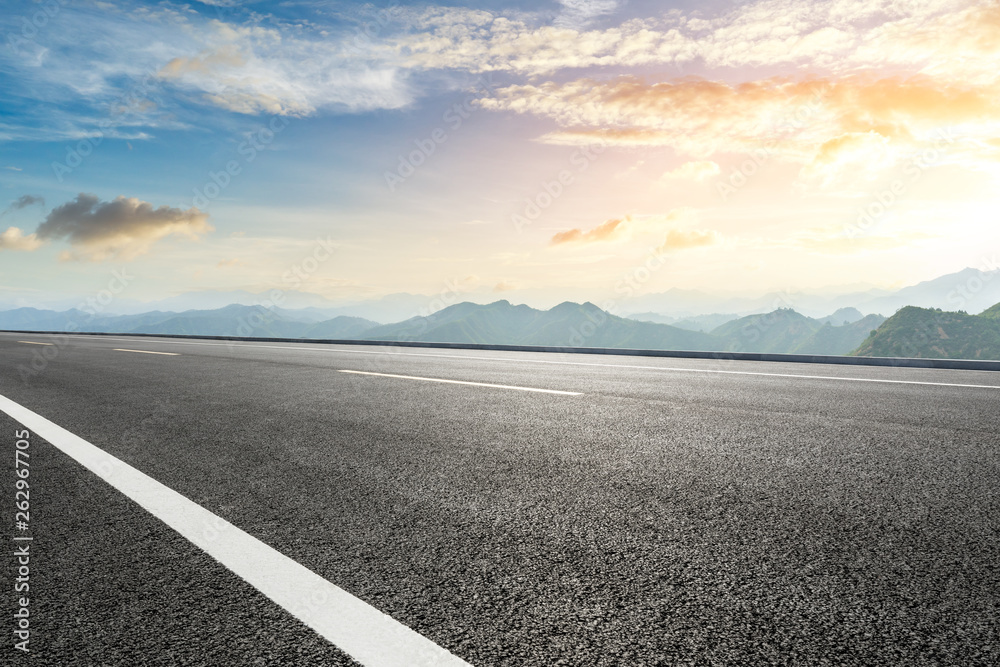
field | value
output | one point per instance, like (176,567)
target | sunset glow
(531,152)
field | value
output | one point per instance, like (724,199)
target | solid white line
(119,349)
(475,384)
(246,344)
(360,630)
(33,342)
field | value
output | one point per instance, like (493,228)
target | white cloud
(174,55)
(838,35)
(853,157)
(264,70)
(579,13)
(15,239)
(302,68)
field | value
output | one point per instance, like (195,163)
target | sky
(532,151)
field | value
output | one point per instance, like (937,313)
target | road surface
(513,508)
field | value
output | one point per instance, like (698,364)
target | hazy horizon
(971,290)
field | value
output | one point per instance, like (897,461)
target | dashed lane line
(475,384)
(338,350)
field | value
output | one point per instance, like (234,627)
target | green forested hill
(934,333)
(992,313)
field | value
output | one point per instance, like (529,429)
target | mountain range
(916,329)
(232,320)
(501,322)
(970,289)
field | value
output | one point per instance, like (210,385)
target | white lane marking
(360,630)
(120,349)
(34,342)
(246,344)
(475,384)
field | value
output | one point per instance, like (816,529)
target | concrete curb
(899,362)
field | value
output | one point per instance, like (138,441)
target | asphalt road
(673,512)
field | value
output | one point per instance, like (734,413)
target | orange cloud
(802,121)
(683,240)
(606,231)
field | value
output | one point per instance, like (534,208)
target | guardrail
(901,362)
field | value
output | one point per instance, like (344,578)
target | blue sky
(554,147)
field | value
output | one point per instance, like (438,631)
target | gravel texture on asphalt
(111,585)
(663,517)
